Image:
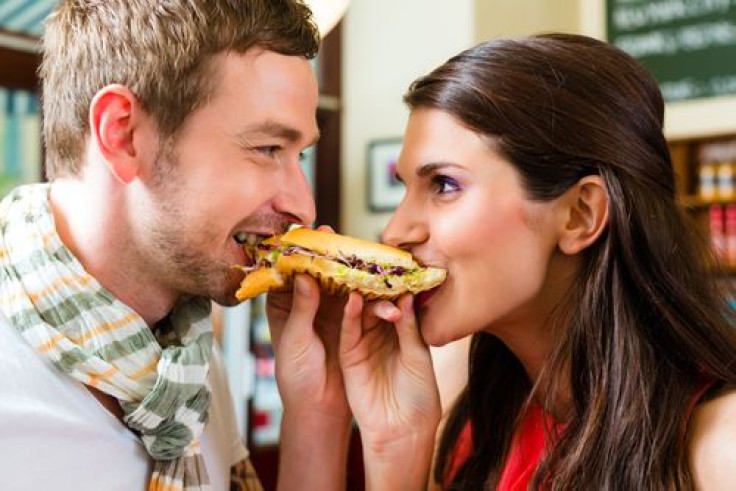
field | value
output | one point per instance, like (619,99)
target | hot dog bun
(340,263)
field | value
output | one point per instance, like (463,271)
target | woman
(602,357)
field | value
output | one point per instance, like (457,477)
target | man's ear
(586,214)
(113,115)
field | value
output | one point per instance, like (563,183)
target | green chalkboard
(689,45)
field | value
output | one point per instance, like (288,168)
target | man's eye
(268,150)
(444,184)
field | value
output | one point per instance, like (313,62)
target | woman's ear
(113,118)
(586,214)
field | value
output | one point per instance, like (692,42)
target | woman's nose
(406,228)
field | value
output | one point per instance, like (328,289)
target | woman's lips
(421,298)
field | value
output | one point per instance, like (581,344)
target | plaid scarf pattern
(85,332)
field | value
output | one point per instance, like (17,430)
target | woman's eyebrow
(426,169)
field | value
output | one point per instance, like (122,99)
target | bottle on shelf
(707,181)
(718,232)
(725,186)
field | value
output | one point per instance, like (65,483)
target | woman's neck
(548,375)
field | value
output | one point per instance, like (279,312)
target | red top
(528,445)
(525,453)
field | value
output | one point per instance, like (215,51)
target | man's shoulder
(24,376)
(54,431)
(10,340)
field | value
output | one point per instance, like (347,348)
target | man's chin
(225,294)
(221,290)
(226,301)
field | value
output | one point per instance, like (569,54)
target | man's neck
(90,222)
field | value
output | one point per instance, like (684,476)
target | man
(173,131)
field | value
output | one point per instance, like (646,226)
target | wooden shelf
(696,202)
(688,155)
(19,69)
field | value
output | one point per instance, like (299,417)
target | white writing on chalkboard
(689,88)
(634,16)
(688,45)
(671,41)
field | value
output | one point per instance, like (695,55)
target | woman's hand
(305,332)
(316,425)
(391,389)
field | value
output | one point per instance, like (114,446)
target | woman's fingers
(381,311)
(305,302)
(351,328)
(410,339)
(278,305)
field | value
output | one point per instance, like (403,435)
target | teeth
(246,238)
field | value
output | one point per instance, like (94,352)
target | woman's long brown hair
(645,323)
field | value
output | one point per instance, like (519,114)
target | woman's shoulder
(712,441)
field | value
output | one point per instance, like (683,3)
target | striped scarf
(71,320)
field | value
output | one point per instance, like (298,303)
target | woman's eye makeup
(437,179)
(442,184)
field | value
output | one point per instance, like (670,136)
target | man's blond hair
(161,50)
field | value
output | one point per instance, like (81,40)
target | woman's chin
(433,335)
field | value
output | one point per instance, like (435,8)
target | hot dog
(340,263)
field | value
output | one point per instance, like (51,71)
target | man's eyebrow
(273,129)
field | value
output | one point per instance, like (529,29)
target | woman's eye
(444,184)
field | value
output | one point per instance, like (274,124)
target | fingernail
(387,310)
(301,285)
(408,302)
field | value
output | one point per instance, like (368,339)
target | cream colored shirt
(55,435)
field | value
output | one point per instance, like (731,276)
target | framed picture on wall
(384,191)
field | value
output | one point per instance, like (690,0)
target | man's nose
(295,197)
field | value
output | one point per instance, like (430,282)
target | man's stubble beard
(175,250)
